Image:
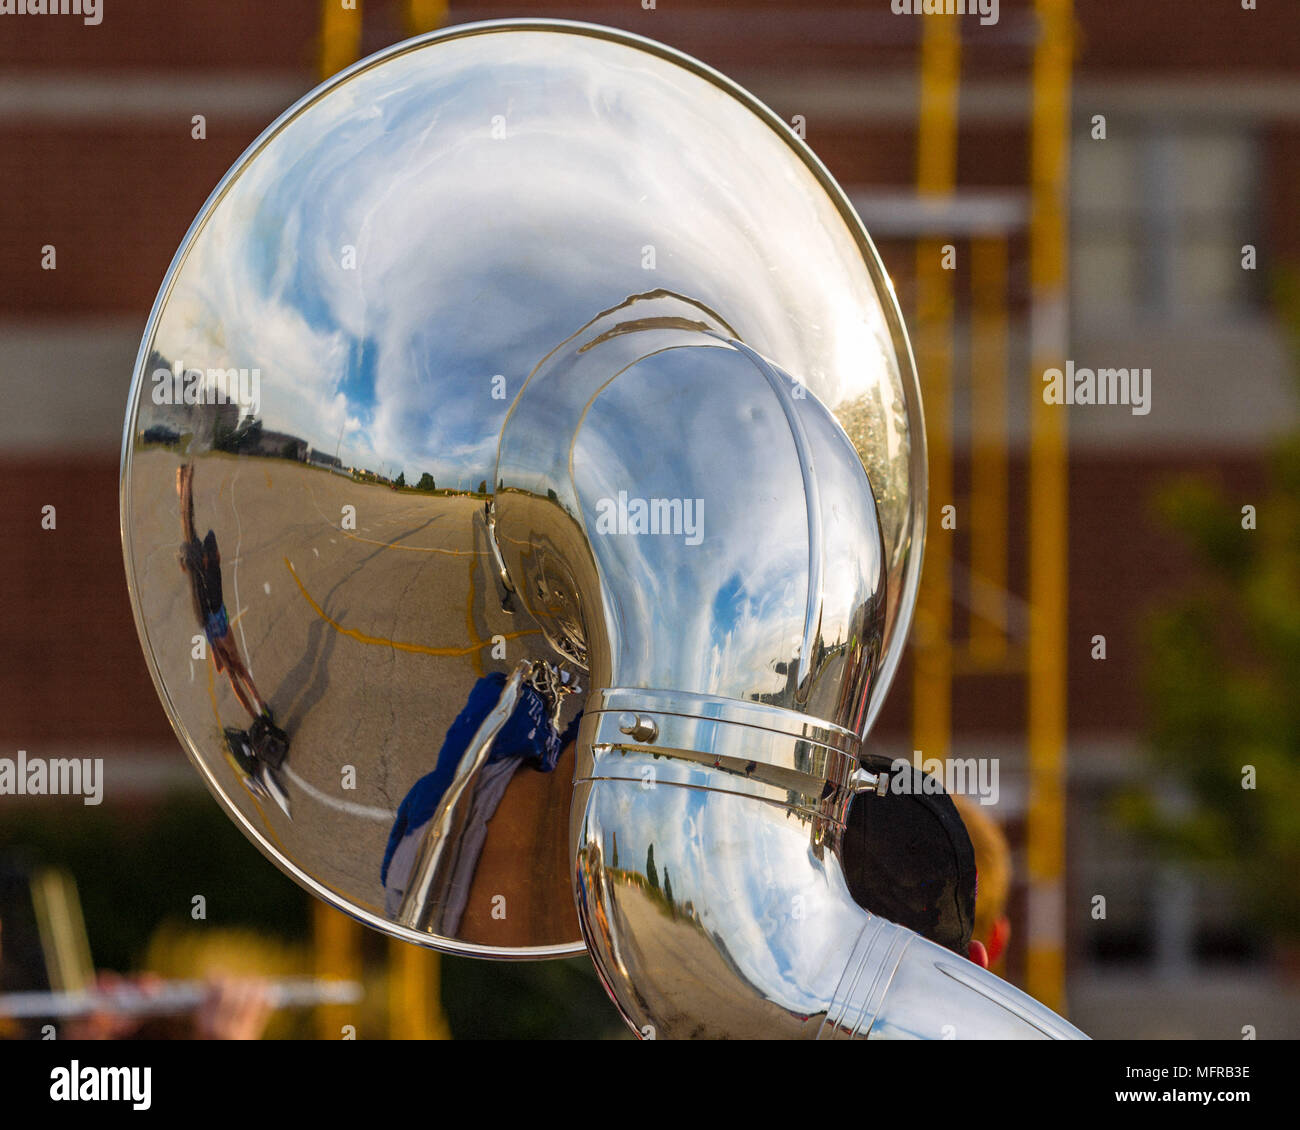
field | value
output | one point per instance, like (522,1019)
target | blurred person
(234,1008)
(992,927)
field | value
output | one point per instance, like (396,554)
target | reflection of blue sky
(699,424)
(729,602)
(704,424)
(476,255)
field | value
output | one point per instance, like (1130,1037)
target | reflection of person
(992,928)
(527,736)
(262,749)
(202,561)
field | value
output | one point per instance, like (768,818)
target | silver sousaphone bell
(523,495)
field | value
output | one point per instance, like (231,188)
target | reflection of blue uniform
(217,625)
(527,735)
(202,560)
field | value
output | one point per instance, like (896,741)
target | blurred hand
(236,1008)
(109,1024)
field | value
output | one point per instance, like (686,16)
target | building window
(1160,215)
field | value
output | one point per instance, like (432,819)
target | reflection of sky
(714,617)
(724,616)
(476,255)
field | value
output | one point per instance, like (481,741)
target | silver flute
(170,998)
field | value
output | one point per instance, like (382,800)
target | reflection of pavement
(366,643)
(687,975)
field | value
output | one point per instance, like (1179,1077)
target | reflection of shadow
(312,671)
(260,751)
(309,679)
(436,841)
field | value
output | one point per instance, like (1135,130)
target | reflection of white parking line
(382,815)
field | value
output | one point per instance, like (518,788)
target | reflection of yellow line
(212,690)
(469,621)
(361,637)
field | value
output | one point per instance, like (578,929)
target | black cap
(908,858)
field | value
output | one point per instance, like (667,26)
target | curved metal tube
(719,917)
(693,525)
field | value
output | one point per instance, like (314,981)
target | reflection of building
(208,425)
(322,459)
(283,445)
(250,438)
(159,433)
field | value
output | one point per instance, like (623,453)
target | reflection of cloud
(716,617)
(475,254)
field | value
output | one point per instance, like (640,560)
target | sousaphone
(523,495)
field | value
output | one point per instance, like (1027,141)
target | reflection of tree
(649,886)
(228,434)
(425,483)
(1224,668)
(400,481)
(650,871)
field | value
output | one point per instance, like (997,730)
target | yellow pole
(988,504)
(1048,506)
(936,177)
(414,991)
(425,15)
(340,36)
(338,955)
